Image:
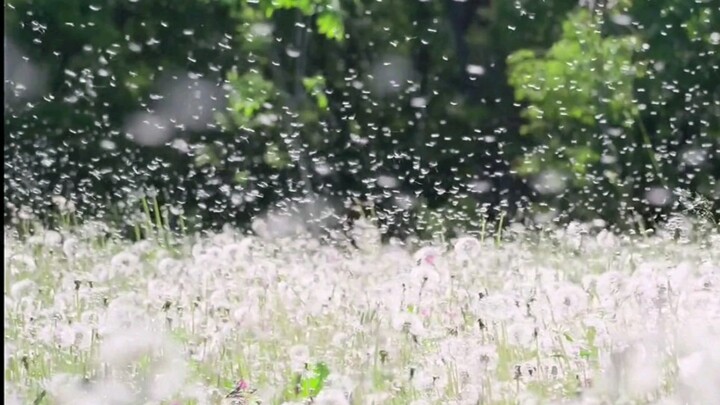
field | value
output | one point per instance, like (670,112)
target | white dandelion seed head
(122,348)
(408,322)
(606,239)
(521,334)
(332,397)
(499,307)
(467,248)
(299,357)
(23,288)
(428,255)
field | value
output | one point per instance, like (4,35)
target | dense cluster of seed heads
(574,317)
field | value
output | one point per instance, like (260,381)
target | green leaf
(305,6)
(242,177)
(591,335)
(311,387)
(249,92)
(330,24)
(322,101)
(315,86)
(275,157)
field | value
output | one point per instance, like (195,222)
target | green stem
(651,152)
(498,234)
(148,216)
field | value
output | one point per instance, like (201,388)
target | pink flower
(427,255)
(241,391)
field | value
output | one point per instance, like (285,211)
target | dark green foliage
(468,110)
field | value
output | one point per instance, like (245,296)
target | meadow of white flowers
(571,317)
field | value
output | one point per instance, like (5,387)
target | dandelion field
(570,316)
(348,202)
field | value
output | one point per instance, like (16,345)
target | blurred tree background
(431,115)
